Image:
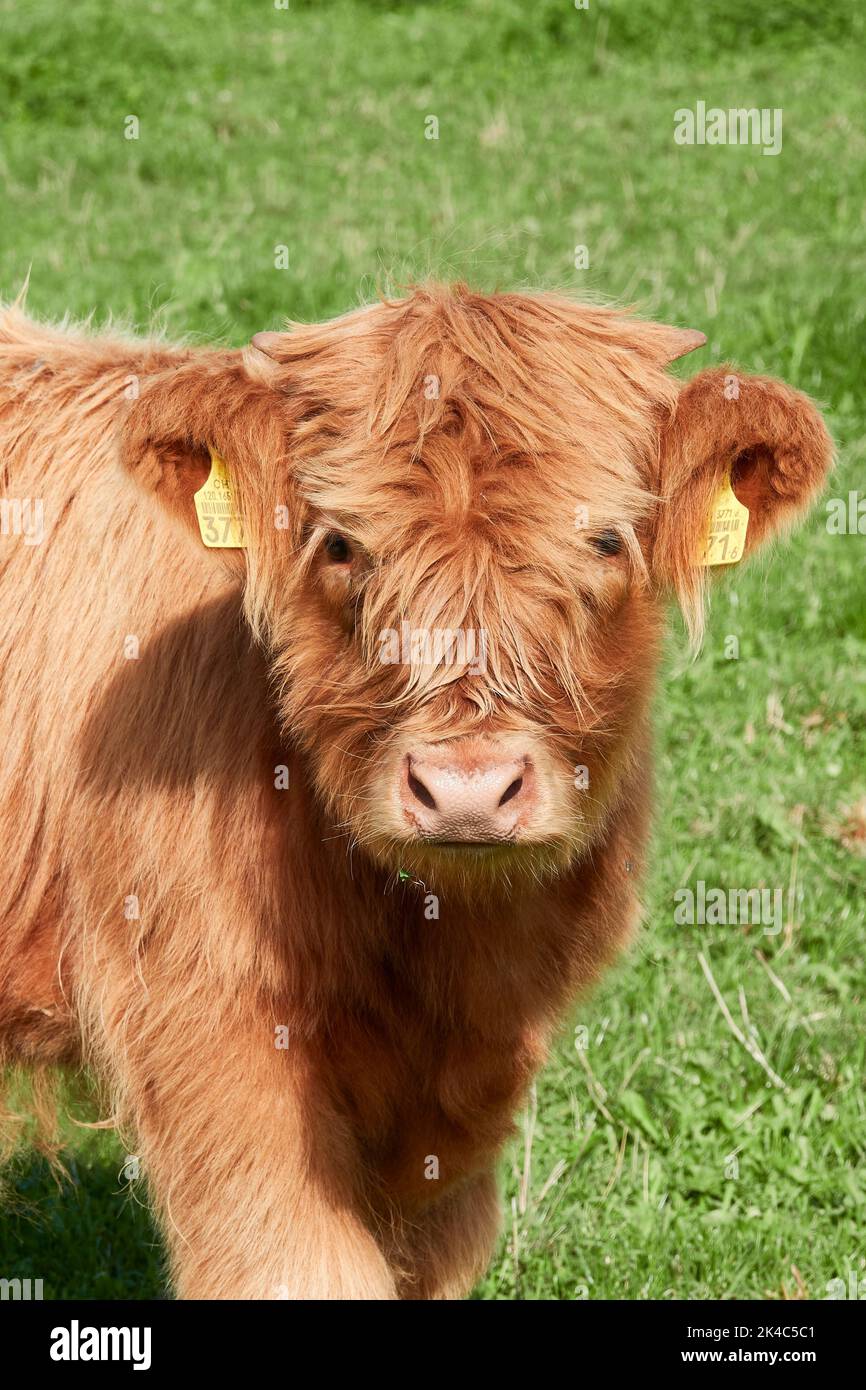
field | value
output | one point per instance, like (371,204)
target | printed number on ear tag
(219,520)
(726,534)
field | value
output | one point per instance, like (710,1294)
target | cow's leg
(248,1166)
(445,1250)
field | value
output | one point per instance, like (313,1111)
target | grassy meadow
(281,166)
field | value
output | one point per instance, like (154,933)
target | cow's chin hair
(474,872)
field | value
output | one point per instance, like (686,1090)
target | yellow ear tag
(726,534)
(219,520)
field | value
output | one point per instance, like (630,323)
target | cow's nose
(480,799)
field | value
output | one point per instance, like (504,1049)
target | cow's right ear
(209,403)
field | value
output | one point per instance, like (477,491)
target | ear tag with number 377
(726,533)
(219,520)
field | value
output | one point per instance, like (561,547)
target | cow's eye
(337,548)
(607,543)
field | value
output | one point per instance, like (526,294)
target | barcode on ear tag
(726,535)
(219,520)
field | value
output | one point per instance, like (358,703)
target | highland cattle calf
(322,800)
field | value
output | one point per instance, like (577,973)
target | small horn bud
(268,343)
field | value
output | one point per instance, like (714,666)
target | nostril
(512,791)
(420,792)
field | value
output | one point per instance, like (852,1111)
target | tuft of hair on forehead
(446,346)
(451,407)
(537,375)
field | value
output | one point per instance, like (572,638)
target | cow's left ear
(764,438)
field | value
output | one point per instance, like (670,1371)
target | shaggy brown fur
(451,438)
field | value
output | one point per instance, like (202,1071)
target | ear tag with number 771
(219,520)
(726,534)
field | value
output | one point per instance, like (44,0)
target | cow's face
(485,501)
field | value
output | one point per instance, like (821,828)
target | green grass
(261,127)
